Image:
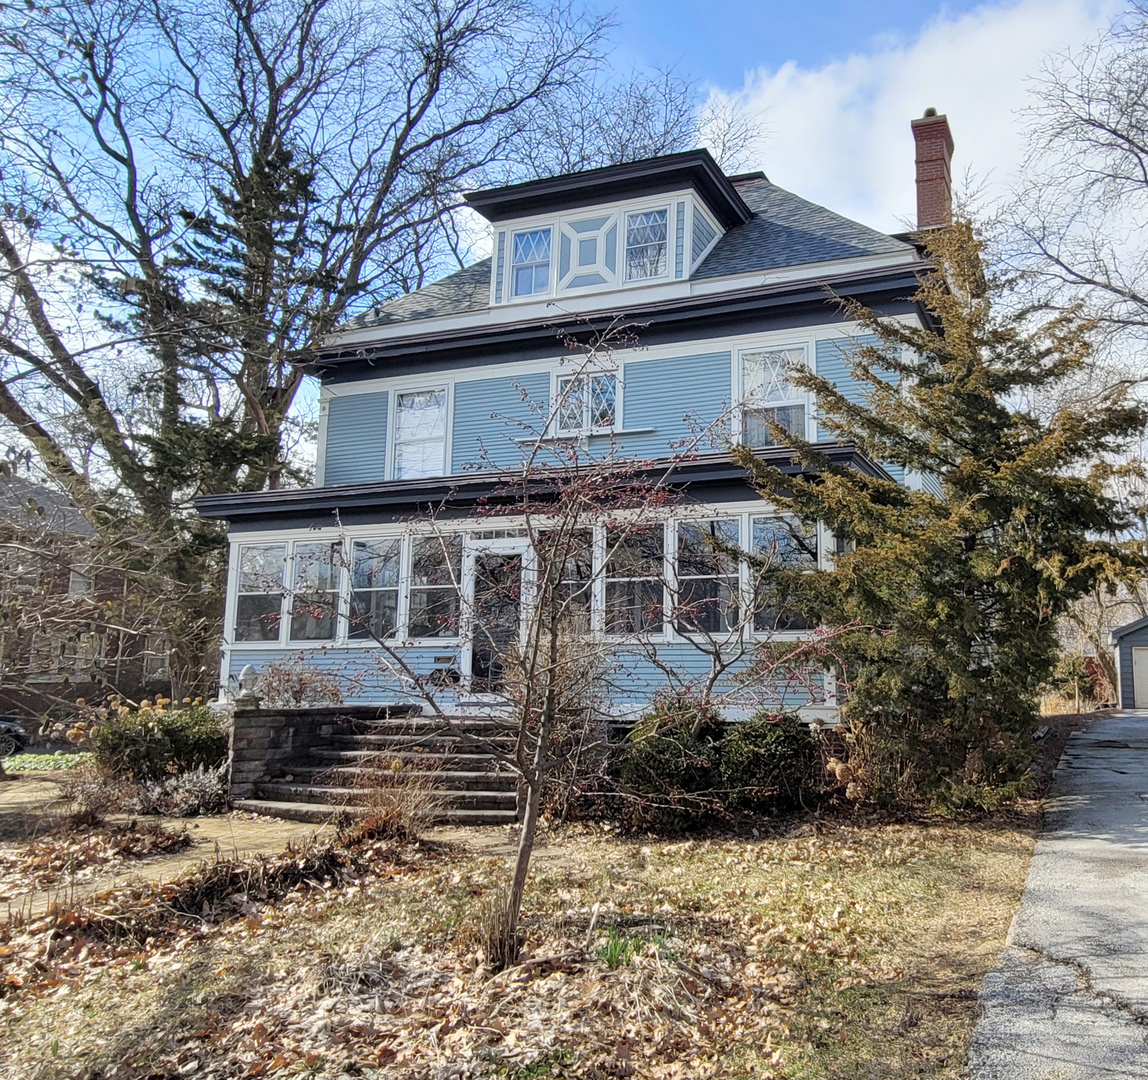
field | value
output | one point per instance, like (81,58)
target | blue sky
(834,84)
(721,40)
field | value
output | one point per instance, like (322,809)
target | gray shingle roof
(24,503)
(785,231)
(465,290)
(789,231)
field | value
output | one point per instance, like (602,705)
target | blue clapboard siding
(833,364)
(363,675)
(490,414)
(356,449)
(660,394)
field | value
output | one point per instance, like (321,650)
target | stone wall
(267,742)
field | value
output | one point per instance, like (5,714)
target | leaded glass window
(770,397)
(646,245)
(420,434)
(587,403)
(531,262)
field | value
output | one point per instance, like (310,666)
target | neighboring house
(61,637)
(729,279)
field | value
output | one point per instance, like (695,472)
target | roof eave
(694,168)
(461,491)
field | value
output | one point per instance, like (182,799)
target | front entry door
(495,572)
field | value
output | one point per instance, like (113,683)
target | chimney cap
(930,111)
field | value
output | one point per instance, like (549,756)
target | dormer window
(530,264)
(646,244)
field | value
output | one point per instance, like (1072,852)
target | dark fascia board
(665,313)
(460,491)
(1128,628)
(691,168)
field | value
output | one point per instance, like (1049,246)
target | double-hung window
(707,576)
(646,244)
(587,403)
(635,593)
(436,568)
(769,395)
(315,591)
(530,262)
(420,434)
(576,586)
(259,600)
(374,589)
(779,543)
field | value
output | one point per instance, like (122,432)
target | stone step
(349,755)
(320,813)
(456,780)
(349,796)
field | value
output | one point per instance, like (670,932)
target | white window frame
(586,428)
(665,633)
(744,404)
(292,594)
(819,561)
(345,628)
(447,390)
(508,285)
(623,244)
(736,579)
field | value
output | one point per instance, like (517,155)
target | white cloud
(839,135)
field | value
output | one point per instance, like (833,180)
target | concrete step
(349,796)
(352,775)
(320,813)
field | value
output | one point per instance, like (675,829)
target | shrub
(201,790)
(296,684)
(154,742)
(94,793)
(396,803)
(767,761)
(671,765)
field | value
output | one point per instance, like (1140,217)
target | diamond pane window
(646,245)
(770,398)
(420,434)
(587,403)
(531,262)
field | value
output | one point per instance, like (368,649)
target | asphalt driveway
(1069,1000)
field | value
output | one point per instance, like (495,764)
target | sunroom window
(635,600)
(374,589)
(646,246)
(779,543)
(315,593)
(576,588)
(259,600)
(530,262)
(420,434)
(587,403)
(770,396)
(707,577)
(436,567)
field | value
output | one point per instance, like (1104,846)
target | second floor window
(587,403)
(531,262)
(769,396)
(646,236)
(420,434)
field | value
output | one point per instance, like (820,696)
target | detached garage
(1131,644)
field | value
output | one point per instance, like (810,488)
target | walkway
(1069,1000)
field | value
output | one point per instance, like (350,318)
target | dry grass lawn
(832,949)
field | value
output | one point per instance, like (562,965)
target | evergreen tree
(947,599)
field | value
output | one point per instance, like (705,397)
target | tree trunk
(521,868)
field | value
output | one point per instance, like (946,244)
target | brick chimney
(934,170)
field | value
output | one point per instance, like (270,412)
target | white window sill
(584,435)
